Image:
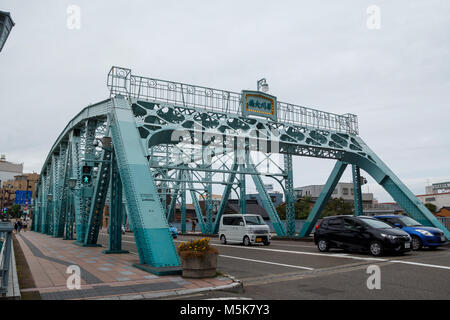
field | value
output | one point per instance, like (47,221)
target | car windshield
(408,222)
(377,224)
(253,220)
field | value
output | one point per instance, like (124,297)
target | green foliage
(14,211)
(431,207)
(335,206)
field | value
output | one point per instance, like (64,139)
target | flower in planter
(196,248)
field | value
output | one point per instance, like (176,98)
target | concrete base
(86,245)
(115,251)
(159,271)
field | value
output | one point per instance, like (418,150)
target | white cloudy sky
(396,79)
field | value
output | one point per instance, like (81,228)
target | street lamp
(6,24)
(263,85)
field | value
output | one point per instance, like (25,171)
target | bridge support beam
(147,218)
(94,221)
(289,195)
(226,195)
(197,208)
(183,202)
(357,193)
(324,196)
(115,212)
(266,201)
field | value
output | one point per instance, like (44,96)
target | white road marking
(421,264)
(267,262)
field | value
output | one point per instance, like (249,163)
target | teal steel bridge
(153,142)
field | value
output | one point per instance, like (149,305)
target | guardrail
(445,221)
(5,254)
(121,81)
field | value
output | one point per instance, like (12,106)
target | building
(9,170)
(343,190)
(22,182)
(440,187)
(440,200)
(384,208)
(276,197)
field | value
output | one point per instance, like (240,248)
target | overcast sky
(324,56)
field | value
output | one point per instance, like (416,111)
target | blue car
(422,236)
(174,231)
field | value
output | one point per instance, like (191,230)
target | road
(297,270)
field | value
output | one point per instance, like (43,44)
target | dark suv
(360,234)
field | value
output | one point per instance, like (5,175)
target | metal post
(208,203)
(289,195)
(357,194)
(183,203)
(242,182)
(115,213)
(70,213)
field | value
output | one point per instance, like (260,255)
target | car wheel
(416,243)
(266,242)
(376,249)
(323,245)
(247,241)
(223,240)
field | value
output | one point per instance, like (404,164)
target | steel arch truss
(162,151)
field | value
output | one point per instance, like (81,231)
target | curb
(236,286)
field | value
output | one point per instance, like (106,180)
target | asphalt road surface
(292,270)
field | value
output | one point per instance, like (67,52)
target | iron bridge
(162,140)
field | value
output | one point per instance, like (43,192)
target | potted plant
(198,258)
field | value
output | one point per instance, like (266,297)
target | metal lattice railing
(121,81)
(5,254)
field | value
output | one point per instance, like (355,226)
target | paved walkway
(103,276)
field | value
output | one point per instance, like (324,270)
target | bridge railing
(121,81)
(5,254)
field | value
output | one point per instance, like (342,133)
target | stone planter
(199,266)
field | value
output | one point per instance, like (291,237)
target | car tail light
(317,226)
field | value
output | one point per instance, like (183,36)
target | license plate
(407,245)
(258,239)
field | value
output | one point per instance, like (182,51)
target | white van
(247,229)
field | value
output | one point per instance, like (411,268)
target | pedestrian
(193,225)
(19,226)
(25,225)
(16,225)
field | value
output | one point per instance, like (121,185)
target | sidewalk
(103,276)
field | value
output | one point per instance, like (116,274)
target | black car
(360,234)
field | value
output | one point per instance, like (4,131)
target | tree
(431,207)
(335,206)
